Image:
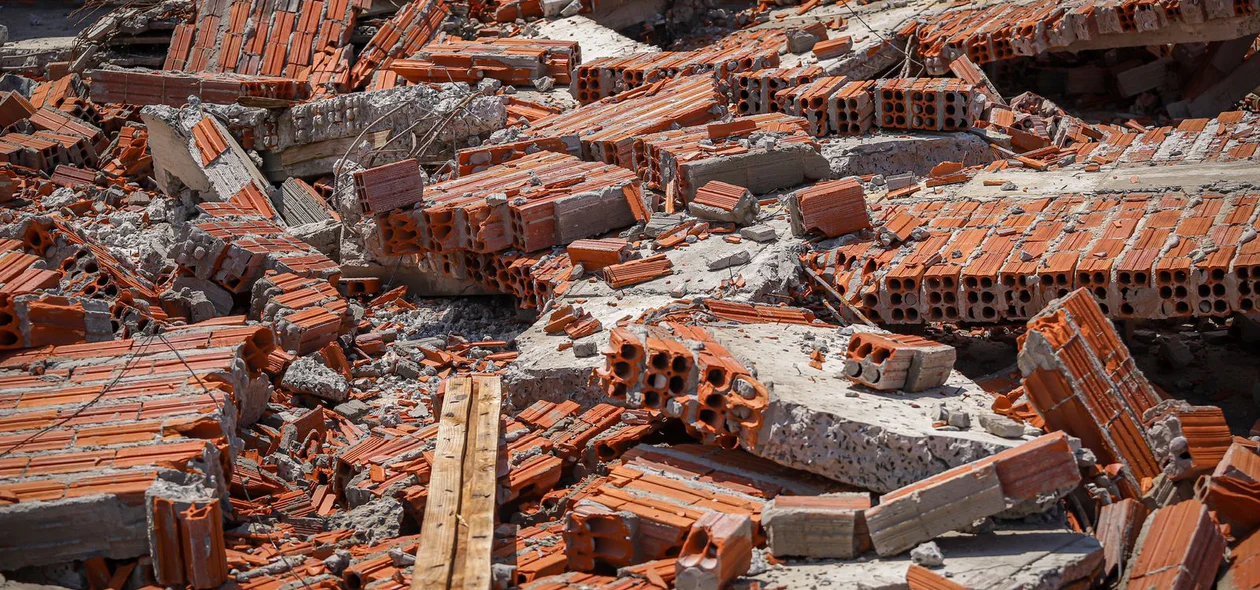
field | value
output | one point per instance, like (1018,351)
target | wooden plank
(435,555)
(480,486)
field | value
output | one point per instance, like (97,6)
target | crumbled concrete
(374,521)
(309,376)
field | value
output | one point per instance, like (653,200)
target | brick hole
(629,352)
(895,298)
(987,297)
(714,400)
(973,297)
(898,315)
(660,361)
(934,298)
(1100,292)
(870,300)
(621,369)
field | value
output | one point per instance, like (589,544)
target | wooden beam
(458,529)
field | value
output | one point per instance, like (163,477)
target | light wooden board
(480,485)
(457,535)
(439,531)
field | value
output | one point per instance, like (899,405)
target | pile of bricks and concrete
(635,295)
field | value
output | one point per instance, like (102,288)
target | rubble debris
(827,526)
(551,294)
(1041,468)
(894,361)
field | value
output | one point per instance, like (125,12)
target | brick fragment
(1041,468)
(830,208)
(896,361)
(717,550)
(831,526)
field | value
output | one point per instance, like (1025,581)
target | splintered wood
(458,529)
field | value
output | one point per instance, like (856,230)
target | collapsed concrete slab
(889,154)
(818,421)
(1016,557)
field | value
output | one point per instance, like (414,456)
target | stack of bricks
(648,504)
(898,361)
(620,119)
(512,61)
(173,88)
(745,51)
(235,252)
(306,313)
(488,212)
(1001,32)
(754,91)
(1014,257)
(1081,379)
(261,37)
(161,426)
(678,156)
(1032,472)
(925,104)
(404,34)
(811,100)
(713,393)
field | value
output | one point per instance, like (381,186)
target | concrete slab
(1012,559)
(596,40)
(889,153)
(819,421)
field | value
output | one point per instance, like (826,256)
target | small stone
(1009,186)
(759,233)
(799,41)
(1001,426)
(585,348)
(928,555)
(573,8)
(408,369)
(960,420)
(544,83)
(353,410)
(729,260)
(1175,353)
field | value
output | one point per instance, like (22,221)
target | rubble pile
(562,294)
